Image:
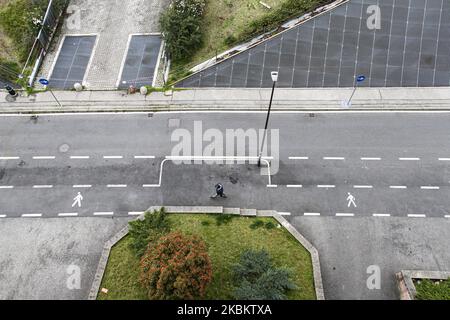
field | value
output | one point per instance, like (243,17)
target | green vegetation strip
(433,290)
(226,240)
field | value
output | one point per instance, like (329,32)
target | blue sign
(360,78)
(44,82)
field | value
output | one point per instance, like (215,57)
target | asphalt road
(394,164)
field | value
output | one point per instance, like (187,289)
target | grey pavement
(112,22)
(348,247)
(394,164)
(36,256)
(232,99)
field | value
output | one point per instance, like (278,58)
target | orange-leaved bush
(176,267)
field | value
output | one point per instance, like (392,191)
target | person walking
(219,191)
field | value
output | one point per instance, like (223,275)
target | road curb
(405,283)
(318,283)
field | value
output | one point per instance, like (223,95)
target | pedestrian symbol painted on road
(351,200)
(77,200)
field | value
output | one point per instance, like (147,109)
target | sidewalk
(233,99)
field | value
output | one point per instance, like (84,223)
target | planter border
(318,285)
(406,285)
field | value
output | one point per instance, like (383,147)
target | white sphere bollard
(78,87)
(144,90)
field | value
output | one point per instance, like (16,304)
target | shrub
(176,267)
(256,224)
(180,25)
(147,231)
(257,279)
(222,219)
(269,225)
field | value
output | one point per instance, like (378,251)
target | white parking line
(42,187)
(82,186)
(326,186)
(298,158)
(284,213)
(444,159)
(3,216)
(80,157)
(429,188)
(112,157)
(68,214)
(363,187)
(135,213)
(311,214)
(333,158)
(32,215)
(144,157)
(294,186)
(103,213)
(381,215)
(117,186)
(9,158)
(398,187)
(6,187)
(345,214)
(44,158)
(447,216)
(417,215)
(409,159)
(370,159)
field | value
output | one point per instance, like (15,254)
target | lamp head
(274,75)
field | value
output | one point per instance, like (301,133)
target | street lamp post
(274,76)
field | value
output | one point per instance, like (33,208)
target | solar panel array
(411,49)
(72,61)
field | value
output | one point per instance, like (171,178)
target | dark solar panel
(412,48)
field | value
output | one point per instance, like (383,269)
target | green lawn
(225,244)
(433,290)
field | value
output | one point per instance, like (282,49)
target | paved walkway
(234,99)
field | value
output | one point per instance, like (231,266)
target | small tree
(180,25)
(257,279)
(176,267)
(143,232)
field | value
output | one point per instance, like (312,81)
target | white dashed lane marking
(333,158)
(447,216)
(68,214)
(363,187)
(370,159)
(117,186)
(298,158)
(32,215)
(294,186)
(325,186)
(3,215)
(417,215)
(6,187)
(151,186)
(112,157)
(429,188)
(284,213)
(42,187)
(86,186)
(345,214)
(103,213)
(137,213)
(9,158)
(409,159)
(398,187)
(44,158)
(80,157)
(381,215)
(444,159)
(311,214)
(144,157)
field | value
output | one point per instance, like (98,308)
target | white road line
(429,188)
(80,157)
(333,158)
(326,186)
(444,159)
(294,186)
(82,186)
(3,216)
(6,187)
(311,214)
(345,214)
(398,187)
(284,213)
(68,214)
(42,187)
(117,186)
(363,187)
(417,215)
(44,158)
(9,158)
(103,213)
(272,186)
(298,158)
(112,157)
(371,159)
(447,216)
(32,215)
(144,157)
(136,213)
(151,186)
(409,159)
(381,215)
